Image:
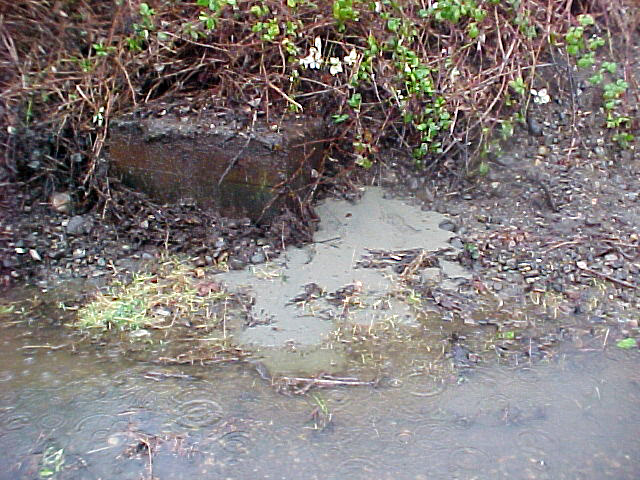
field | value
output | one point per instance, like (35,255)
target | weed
(320,415)
(434,78)
(149,301)
(614,89)
(52,462)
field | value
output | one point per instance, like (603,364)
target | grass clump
(122,307)
(154,301)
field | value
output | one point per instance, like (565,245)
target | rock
(534,127)
(56,254)
(448,226)
(430,275)
(456,243)
(78,225)
(610,257)
(236,264)
(140,333)
(61,202)
(258,257)
(460,355)
(209,160)
(592,221)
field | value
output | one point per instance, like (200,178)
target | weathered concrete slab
(236,170)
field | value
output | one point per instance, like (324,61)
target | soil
(555,223)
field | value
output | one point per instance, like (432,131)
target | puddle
(576,417)
(301,297)
(91,414)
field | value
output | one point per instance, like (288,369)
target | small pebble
(447,225)
(236,264)
(534,127)
(257,257)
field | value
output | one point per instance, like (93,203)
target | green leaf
(474,31)
(146,10)
(518,86)
(340,118)
(586,20)
(586,60)
(393,24)
(507,335)
(355,101)
(46,472)
(596,79)
(595,43)
(627,343)
(473,250)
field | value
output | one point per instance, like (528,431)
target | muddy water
(576,417)
(91,414)
(290,294)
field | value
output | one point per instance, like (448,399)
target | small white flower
(314,59)
(540,96)
(378,7)
(398,96)
(351,58)
(335,66)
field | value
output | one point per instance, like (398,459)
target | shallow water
(84,412)
(576,417)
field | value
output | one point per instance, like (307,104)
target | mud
(285,291)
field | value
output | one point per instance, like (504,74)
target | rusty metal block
(238,171)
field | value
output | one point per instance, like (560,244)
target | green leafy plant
(52,462)
(139,303)
(613,90)
(320,414)
(519,86)
(344,11)
(143,29)
(627,343)
(102,50)
(268,30)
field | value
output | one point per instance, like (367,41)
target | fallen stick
(48,347)
(595,273)
(326,381)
